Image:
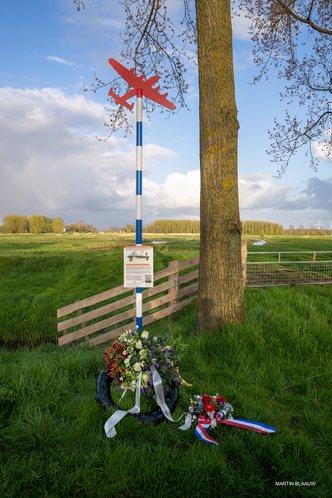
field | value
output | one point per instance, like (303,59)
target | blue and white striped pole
(139,178)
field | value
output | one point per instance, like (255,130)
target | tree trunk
(220,297)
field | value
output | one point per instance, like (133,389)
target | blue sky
(51,162)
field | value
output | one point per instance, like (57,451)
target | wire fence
(301,267)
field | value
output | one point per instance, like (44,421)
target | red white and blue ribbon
(205,423)
(201,431)
(250,425)
(206,420)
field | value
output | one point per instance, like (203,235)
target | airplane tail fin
(128,106)
(114,96)
(120,101)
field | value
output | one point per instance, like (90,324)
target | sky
(52,163)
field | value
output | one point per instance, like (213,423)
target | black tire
(104,398)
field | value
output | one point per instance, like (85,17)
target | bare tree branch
(289,46)
(157,44)
(304,19)
(154,44)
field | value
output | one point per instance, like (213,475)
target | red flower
(220,399)
(210,408)
(206,398)
(106,356)
(118,346)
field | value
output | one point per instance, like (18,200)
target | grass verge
(274,368)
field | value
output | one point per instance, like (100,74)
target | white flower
(139,344)
(145,379)
(127,361)
(155,338)
(137,367)
(143,353)
(145,334)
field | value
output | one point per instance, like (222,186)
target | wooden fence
(175,287)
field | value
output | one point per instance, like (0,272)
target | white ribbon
(110,424)
(160,397)
(187,422)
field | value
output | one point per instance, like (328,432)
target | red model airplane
(138,83)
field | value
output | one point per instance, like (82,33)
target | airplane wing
(160,98)
(151,81)
(119,68)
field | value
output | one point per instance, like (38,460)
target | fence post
(174,283)
(279,258)
(78,313)
(244,251)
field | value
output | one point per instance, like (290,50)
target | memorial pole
(139,178)
(136,273)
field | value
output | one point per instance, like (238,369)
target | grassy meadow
(273,368)
(40,273)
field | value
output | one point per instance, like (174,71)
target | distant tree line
(307,231)
(193,226)
(19,223)
(129,228)
(173,226)
(80,227)
(249,227)
(256,227)
(37,223)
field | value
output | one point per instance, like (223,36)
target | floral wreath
(134,353)
(149,365)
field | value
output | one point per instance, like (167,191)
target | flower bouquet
(137,356)
(210,411)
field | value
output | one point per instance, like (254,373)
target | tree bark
(220,296)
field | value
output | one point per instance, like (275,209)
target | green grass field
(39,274)
(274,368)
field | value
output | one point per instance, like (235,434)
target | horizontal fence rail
(289,268)
(176,286)
(106,315)
(291,255)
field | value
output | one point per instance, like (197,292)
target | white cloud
(260,197)
(241,24)
(34,108)
(257,191)
(52,164)
(152,151)
(60,60)
(323,150)
(177,196)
